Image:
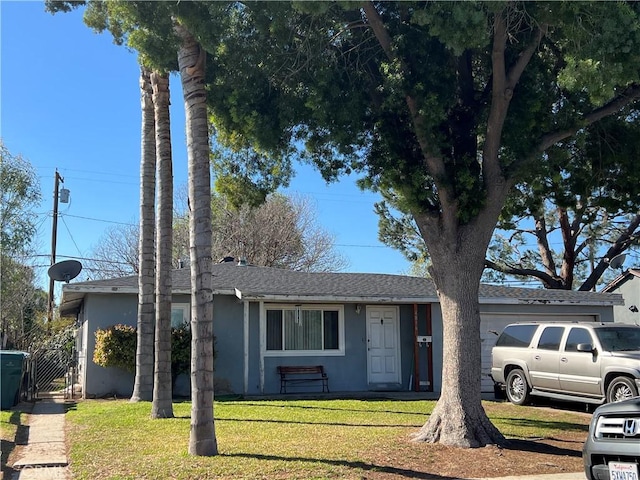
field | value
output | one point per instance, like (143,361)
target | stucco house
(371,332)
(626,284)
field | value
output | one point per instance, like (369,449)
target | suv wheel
(621,388)
(517,387)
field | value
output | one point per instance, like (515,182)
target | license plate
(623,471)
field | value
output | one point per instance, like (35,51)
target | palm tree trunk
(143,385)
(191,60)
(162,406)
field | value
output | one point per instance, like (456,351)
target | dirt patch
(521,456)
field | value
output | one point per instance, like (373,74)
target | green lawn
(304,439)
(10,421)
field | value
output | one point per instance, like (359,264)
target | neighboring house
(369,331)
(626,284)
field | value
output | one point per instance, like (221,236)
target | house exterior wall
(229,346)
(100,312)
(81,342)
(346,372)
(630,291)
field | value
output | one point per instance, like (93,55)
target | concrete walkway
(548,476)
(45,454)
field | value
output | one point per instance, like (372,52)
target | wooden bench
(294,376)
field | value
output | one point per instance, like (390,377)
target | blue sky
(70,100)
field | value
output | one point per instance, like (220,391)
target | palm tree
(162,406)
(143,385)
(191,61)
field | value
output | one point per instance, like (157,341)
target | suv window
(516,336)
(619,339)
(550,338)
(576,336)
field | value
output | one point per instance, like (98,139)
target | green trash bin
(11,370)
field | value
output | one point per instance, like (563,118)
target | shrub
(116,347)
(180,352)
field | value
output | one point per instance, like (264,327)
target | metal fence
(51,367)
(51,372)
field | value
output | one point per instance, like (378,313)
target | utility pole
(54,236)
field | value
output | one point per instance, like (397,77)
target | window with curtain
(303,329)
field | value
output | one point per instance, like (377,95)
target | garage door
(492,324)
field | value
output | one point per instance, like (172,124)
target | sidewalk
(44,457)
(549,476)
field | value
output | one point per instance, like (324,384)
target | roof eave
(269,297)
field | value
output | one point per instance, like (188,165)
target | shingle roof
(622,278)
(272,283)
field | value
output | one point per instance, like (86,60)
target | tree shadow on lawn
(297,422)
(369,467)
(544,448)
(21,438)
(285,404)
(328,424)
(543,424)
(561,405)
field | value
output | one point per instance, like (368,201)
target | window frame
(575,349)
(340,351)
(552,329)
(186,313)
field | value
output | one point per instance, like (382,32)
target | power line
(97,260)
(63,169)
(360,246)
(99,220)
(101,180)
(71,236)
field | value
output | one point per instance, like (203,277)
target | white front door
(383,355)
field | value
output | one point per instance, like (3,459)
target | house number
(382,321)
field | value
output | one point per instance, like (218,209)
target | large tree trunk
(458,256)
(143,385)
(162,394)
(191,60)
(459,418)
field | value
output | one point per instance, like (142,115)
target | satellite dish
(64,271)
(617,261)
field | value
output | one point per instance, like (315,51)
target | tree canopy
(573,211)
(282,232)
(22,302)
(442,106)
(20,192)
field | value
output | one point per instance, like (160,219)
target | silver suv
(588,362)
(612,449)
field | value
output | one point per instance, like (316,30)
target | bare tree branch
(622,243)
(548,280)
